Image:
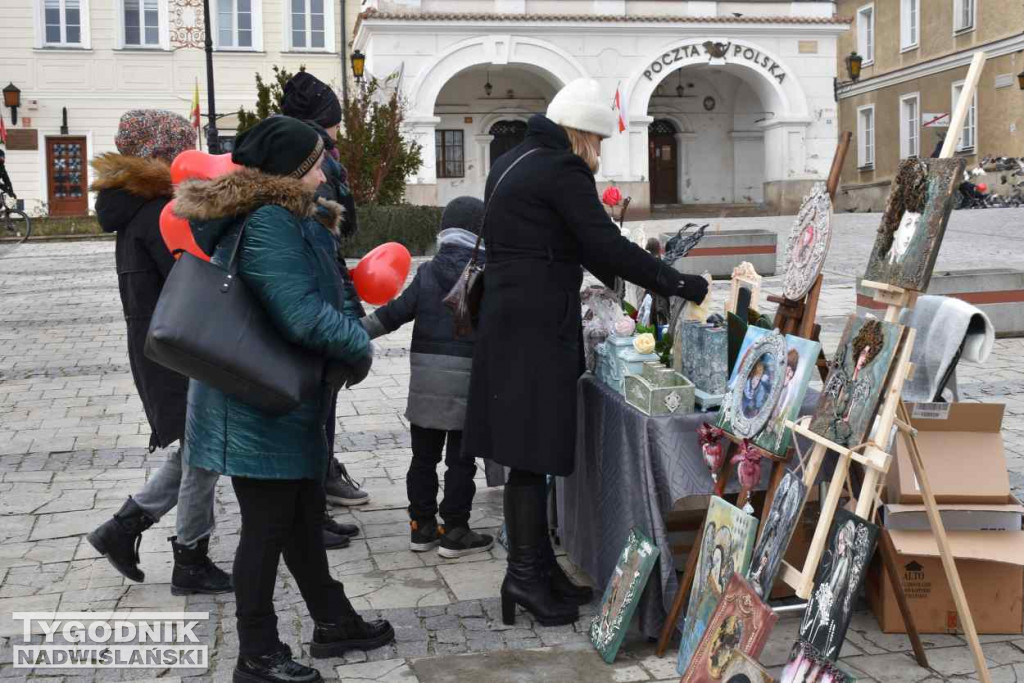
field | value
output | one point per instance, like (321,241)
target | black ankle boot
(276,667)
(119,537)
(561,585)
(526,581)
(194,572)
(349,633)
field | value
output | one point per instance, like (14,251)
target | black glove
(341,374)
(360,370)
(692,288)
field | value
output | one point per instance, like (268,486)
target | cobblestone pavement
(73,444)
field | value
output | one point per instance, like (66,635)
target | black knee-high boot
(526,580)
(561,585)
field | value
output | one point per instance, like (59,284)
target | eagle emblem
(716,50)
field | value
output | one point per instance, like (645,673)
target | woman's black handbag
(465,296)
(208,326)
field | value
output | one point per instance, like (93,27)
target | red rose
(612,196)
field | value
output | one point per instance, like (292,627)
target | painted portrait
(914,222)
(725,549)
(740,624)
(776,534)
(757,385)
(622,594)
(857,377)
(794,374)
(808,244)
(851,543)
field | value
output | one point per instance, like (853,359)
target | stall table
(631,469)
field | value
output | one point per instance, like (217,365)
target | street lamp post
(212,136)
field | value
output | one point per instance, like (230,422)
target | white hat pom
(580,105)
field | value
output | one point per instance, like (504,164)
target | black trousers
(281,517)
(421,482)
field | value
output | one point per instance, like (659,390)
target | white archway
(786,98)
(552,63)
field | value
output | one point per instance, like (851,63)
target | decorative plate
(808,242)
(758,385)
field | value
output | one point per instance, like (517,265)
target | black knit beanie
(307,97)
(279,145)
(463,212)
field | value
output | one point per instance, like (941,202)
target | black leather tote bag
(208,326)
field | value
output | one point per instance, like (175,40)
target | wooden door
(663,161)
(67,177)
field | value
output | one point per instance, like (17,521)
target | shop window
(968,138)
(866,33)
(909,23)
(450,151)
(910,126)
(866,137)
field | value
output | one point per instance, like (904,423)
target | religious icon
(621,596)
(808,242)
(914,222)
(776,534)
(741,623)
(726,546)
(858,374)
(839,577)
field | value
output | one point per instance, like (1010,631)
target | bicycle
(16,224)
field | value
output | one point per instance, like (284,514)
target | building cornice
(933,66)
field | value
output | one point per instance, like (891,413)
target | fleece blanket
(943,324)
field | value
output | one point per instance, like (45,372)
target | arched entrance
(505,135)
(663,162)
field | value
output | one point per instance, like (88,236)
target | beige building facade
(915,56)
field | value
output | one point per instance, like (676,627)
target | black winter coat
(132,193)
(440,363)
(545,223)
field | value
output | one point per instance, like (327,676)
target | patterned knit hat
(154,133)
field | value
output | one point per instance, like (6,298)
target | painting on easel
(857,377)
(851,543)
(914,222)
(726,546)
(777,532)
(798,366)
(808,242)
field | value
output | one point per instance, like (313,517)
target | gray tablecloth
(630,470)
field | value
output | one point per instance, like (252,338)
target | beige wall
(994,19)
(1000,130)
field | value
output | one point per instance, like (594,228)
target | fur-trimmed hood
(125,184)
(144,178)
(242,192)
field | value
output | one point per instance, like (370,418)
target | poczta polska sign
(718,53)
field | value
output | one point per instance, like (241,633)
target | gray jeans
(190,488)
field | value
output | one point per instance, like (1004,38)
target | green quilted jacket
(288,260)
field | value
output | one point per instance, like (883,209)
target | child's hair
(792,359)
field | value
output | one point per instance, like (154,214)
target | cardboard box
(991,568)
(955,517)
(962,449)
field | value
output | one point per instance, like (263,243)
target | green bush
(415,227)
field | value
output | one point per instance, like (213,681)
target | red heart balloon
(177,234)
(380,274)
(193,164)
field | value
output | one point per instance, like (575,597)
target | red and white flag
(620,109)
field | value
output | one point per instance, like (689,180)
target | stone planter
(719,252)
(999,292)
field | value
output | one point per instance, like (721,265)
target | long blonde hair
(586,146)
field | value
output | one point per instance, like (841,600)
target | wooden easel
(798,317)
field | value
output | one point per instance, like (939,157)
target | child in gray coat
(438,389)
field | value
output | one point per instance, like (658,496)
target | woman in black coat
(545,224)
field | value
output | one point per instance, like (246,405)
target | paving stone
(466,608)
(441,621)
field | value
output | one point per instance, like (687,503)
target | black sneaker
(425,535)
(461,541)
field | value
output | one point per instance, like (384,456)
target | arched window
(507,134)
(662,127)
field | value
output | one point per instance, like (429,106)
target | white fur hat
(581,105)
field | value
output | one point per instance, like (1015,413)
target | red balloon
(982,187)
(177,234)
(199,165)
(380,274)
